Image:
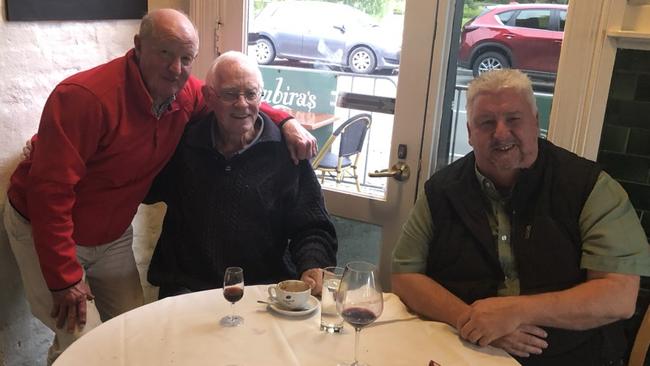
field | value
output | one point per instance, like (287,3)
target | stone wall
(34,57)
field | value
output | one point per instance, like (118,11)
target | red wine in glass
(233,294)
(358,317)
(359,301)
(233,291)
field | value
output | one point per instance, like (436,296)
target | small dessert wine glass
(359,301)
(233,291)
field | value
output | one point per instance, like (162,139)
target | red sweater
(99,148)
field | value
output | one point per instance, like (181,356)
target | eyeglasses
(231,96)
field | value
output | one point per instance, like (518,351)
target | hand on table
(314,277)
(302,145)
(69,306)
(489,319)
(524,341)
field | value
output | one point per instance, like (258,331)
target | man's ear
(208,93)
(137,45)
(469,134)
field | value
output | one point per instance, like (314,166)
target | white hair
(241,59)
(495,80)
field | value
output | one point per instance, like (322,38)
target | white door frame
(593,31)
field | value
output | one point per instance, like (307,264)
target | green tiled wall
(624,150)
(625,143)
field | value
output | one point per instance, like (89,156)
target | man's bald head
(161,21)
(165,48)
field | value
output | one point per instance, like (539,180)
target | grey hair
(495,80)
(147,28)
(243,60)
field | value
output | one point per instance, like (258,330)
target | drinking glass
(330,319)
(359,301)
(233,291)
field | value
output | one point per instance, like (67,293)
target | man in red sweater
(104,134)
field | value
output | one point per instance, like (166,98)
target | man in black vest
(520,244)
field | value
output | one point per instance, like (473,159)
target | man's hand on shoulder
(27,150)
(302,145)
(69,306)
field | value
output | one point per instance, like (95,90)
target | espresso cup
(291,294)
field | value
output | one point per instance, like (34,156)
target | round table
(185,330)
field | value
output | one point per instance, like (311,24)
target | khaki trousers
(109,270)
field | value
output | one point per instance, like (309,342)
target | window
(515,28)
(505,16)
(313,54)
(538,19)
(562,20)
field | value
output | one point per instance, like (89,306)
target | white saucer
(312,304)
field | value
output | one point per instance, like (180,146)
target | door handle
(400,171)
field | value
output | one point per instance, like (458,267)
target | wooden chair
(641,343)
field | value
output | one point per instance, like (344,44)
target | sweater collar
(199,134)
(259,126)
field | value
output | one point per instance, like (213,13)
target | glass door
(524,36)
(328,62)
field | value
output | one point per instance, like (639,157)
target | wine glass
(233,291)
(359,299)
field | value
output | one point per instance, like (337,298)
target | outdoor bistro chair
(351,134)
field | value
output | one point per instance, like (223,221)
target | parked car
(522,36)
(329,33)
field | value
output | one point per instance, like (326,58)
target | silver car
(327,33)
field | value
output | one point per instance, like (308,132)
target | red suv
(521,36)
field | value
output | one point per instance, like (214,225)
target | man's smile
(504,147)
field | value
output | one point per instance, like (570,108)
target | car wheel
(489,61)
(264,51)
(362,60)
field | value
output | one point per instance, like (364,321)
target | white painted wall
(34,57)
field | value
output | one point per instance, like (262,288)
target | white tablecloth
(185,330)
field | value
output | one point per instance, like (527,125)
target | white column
(584,75)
